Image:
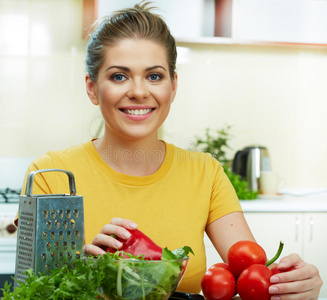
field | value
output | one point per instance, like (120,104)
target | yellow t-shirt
(172,206)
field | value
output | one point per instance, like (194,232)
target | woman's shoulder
(192,157)
(51,159)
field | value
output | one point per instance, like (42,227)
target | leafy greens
(119,278)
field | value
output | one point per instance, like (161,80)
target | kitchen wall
(273,96)
(43,101)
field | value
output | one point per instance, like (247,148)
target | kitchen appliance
(50,228)
(12,174)
(250,162)
(9,199)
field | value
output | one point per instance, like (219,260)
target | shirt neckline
(130,179)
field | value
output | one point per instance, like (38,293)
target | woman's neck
(139,157)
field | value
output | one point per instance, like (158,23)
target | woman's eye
(118,77)
(155,77)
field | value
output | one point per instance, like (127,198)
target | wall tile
(14,27)
(13,91)
(273,96)
(55,26)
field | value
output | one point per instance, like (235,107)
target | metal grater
(50,229)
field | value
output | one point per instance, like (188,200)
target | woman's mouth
(137,112)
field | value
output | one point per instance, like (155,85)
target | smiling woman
(134,94)
(129,177)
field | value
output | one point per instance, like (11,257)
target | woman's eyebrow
(118,67)
(128,69)
(155,67)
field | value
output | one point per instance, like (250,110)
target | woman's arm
(227,230)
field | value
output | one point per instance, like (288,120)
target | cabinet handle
(311,222)
(297,229)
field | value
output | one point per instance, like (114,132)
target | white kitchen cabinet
(293,21)
(270,228)
(238,21)
(186,19)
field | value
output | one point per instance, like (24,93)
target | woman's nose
(138,90)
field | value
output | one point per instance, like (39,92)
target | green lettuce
(136,278)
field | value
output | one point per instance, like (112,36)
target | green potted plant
(217,146)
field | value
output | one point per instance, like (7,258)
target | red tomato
(254,282)
(221,265)
(244,254)
(224,266)
(218,284)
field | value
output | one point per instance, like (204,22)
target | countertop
(238,298)
(287,203)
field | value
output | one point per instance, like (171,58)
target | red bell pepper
(139,244)
(274,270)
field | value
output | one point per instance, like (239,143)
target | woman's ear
(174,87)
(91,89)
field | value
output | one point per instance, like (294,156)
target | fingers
(304,289)
(117,227)
(100,243)
(104,241)
(292,286)
(90,249)
(303,282)
(124,223)
(106,237)
(292,260)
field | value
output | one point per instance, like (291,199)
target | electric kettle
(249,163)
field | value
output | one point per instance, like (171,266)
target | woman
(129,178)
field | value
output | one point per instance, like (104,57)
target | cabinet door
(271,228)
(185,19)
(315,244)
(292,21)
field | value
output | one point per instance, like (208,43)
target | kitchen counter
(287,203)
(238,298)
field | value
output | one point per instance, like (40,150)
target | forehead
(136,52)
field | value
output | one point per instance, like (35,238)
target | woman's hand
(302,283)
(103,240)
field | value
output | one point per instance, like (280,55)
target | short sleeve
(223,197)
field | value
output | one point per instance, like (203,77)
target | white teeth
(137,112)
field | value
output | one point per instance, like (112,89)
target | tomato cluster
(246,274)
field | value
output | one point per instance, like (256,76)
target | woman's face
(134,88)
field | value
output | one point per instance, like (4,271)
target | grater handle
(30,178)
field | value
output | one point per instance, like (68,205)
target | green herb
(64,283)
(240,185)
(120,278)
(217,146)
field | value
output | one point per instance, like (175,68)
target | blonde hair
(130,23)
